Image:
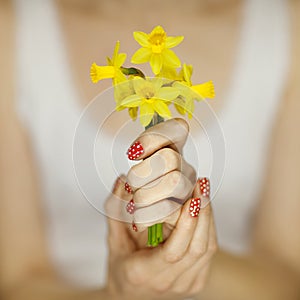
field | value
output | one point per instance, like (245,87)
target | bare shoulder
(7,37)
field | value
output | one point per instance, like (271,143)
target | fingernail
(128,188)
(134,227)
(135,151)
(130,207)
(204,187)
(195,207)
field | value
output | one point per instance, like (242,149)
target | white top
(49,107)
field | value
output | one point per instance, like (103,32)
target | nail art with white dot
(128,188)
(130,207)
(195,207)
(135,150)
(204,187)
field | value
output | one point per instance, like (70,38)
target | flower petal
(157,83)
(141,56)
(162,109)
(170,58)
(190,107)
(187,71)
(142,38)
(179,105)
(131,101)
(133,112)
(205,90)
(156,63)
(119,107)
(101,72)
(119,61)
(146,113)
(142,87)
(123,90)
(157,30)
(116,51)
(109,61)
(167,93)
(172,41)
(184,89)
(119,77)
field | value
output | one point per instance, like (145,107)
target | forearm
(49,289)
(236,278)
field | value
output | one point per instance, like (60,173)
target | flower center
(157,41)
(149,95)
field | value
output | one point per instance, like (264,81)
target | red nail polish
(134,227)
(204,187)
(195,207)
(135,151)
(130,207)
(128,188)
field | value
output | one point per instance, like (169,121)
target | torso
(214,67)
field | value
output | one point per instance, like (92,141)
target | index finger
(172,133)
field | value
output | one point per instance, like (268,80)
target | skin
(272,269)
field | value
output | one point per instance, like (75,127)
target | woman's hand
(176,269)
(160,188)
(159,184)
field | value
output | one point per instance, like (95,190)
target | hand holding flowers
(150,98)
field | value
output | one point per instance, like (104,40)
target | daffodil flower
(151,97)
(113,68)
(156,49)
(121,91)
(191,92)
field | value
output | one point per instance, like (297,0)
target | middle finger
(160,163)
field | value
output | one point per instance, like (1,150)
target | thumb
(119,240)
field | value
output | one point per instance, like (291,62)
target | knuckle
(137,175)
(172,257)
(138,196)
(183,123)
(172,159)
(198,251)
(175,179)
(179,185)
(172,156)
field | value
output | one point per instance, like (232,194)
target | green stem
(132,71)
(155,232)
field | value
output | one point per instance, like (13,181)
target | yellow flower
(156,49)
(191,92)
(121,91)
(169,73)
(150,96)
(112,70)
